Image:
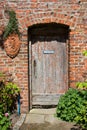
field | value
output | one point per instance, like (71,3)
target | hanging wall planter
(12,45)
(11,36)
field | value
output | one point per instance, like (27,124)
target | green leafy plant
(12,26)
(72,107)
(81,85)
(85,52)
(1,74)
(8,94)
(8,97)
(4,121)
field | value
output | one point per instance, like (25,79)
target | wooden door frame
(30,68)
(30,74)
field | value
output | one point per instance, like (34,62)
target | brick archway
(47,18)
(43,18)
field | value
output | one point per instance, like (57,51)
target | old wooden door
(48,68)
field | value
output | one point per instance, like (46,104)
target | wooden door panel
(54,75)
(37,68)
(45,99)
(49,70)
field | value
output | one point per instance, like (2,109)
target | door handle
(35,68)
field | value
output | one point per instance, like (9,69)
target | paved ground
(44,119)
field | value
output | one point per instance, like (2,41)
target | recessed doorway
(48,63)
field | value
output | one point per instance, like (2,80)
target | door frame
(30,65)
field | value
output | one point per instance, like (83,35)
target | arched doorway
(48,63)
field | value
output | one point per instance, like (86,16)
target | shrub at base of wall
(72,107)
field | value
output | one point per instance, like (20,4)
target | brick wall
(29,12)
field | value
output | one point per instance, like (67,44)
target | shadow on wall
(50,29)
(76,127)
(1,37)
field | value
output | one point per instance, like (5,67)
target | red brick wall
(30,12)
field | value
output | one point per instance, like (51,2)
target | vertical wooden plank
(30,74)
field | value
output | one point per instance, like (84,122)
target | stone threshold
(19,122)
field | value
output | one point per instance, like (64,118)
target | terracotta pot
(12,45)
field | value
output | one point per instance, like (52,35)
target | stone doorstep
(40,119)
(50,111)
(41,116)
(35,116)
(19,122)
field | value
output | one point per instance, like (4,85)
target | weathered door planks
(48,69)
